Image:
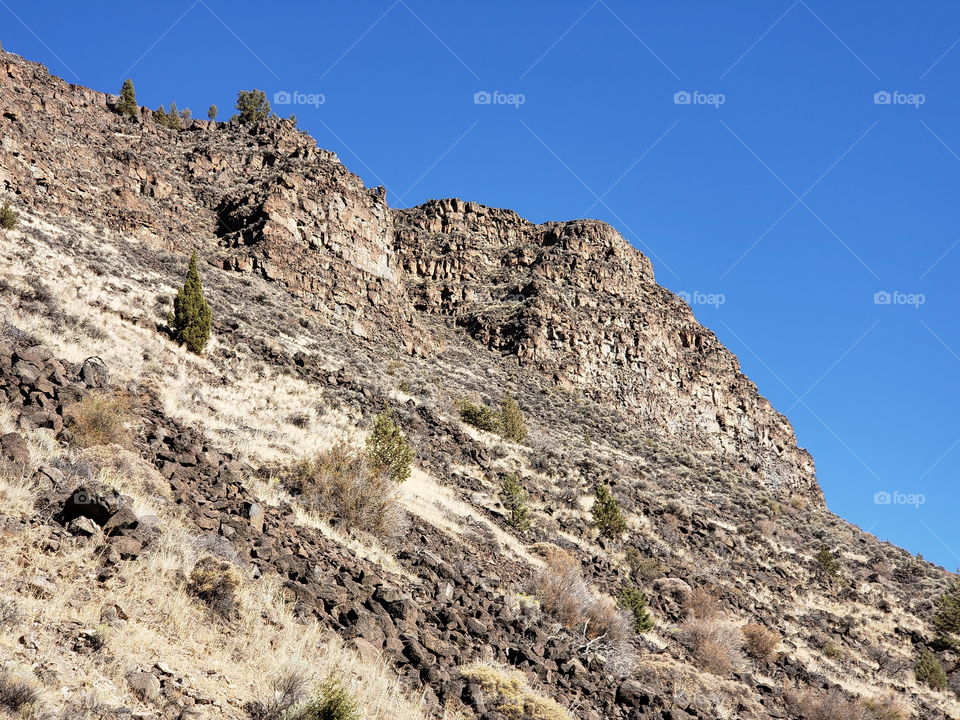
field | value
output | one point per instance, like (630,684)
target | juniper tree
(929,671)
(212,112)
(173,117)
(253,106)
(127,105)
(514,499)
(190,319)
(947,618)
(8,217)
(511,420)
(387,448)
(606,513)
(633,600)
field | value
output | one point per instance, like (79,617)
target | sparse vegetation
(701,604)
(514,499)
(478,416)
(16,696)
(8,217)
(929,671)
(512,695)
(643,569)
(340,484)
(191,318)
(215,582)
(127,103)
(828,564)
(100,419)
(387,448)
(633,601)
(713,643)
(253,106)
(607,517)
(760,642)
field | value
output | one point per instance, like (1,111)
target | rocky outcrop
(576,302)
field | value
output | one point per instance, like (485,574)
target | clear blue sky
(796,199)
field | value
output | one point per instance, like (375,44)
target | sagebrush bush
(568,597)
(387,449)
(191,318)
(607,517)
(514,499)
(642,568)
(759,642)
(8,217)
(812,704)
(929,671)
(478,416)
(100,419)
(713,643)
(701,604)
(341,484)
(634,602)
(215,582)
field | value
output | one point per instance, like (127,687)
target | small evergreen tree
(8,217)
(253,106)
(827,563)
(160,116)
(946,621)
(212,112)
(387,448)
(479,416)
(127,105)
(190,319)
(173,118)
(606,513)
(514,499)
(511,420)
(929,671)
(634,602)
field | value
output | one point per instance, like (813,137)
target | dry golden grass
(101,419)
(511,693)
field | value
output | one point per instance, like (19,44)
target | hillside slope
(329,306)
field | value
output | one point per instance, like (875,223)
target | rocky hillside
(201,536)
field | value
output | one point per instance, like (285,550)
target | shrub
(700,604)
(190,320)
(889,707)
(634,602)
(99,420)
(643,569)
(333,703)
(512,421)
(810,704)
(759,642)
(511,693)
(287,689)
(567,596)
(253,106)
(215,582)
(714,644)
(929,671)
(212,112)
(127,104)
(479,416)
(8,217)
(606,513)
(387,449)
(16,695)
(514,499)
(340,483)
(827,563)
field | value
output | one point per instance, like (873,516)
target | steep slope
(327,307)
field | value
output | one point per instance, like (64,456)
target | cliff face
(576,302)
(571,301)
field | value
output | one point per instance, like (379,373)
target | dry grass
(701,604)
(511,693)
(102,419)
(811,704)
(759,642)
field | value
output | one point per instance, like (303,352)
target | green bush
(827,563)
(387,448)
(127,104)
(212,112)
(8,217)
(334,703)
(190,320)
(929,671)
(479,416)
(642,568)
(511,420)
(634,602)
(606,513)
(946,621)
(514,499)
(253,106)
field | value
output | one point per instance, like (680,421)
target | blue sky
(810,161)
